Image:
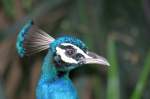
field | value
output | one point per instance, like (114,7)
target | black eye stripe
(69,50)
(69,47)
(66,47)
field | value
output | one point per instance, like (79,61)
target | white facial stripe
(65,58)
(78,49)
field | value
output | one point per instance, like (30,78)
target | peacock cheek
(58,62)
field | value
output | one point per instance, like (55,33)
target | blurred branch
(124,38)
(5,54)
(19,11)
(98,88)
(146,10)
(3,21)
(13,78)
(2,94)
(84,86)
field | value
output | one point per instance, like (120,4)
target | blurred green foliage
(9,8)
(113,87)
(142,82)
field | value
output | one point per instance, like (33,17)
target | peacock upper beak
(92,58)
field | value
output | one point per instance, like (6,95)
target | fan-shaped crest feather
(31,40)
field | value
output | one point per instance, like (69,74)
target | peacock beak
(92,58)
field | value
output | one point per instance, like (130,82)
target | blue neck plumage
(49,71)
(53,84)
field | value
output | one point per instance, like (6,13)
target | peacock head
(68,52)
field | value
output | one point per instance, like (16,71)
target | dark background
(116,29)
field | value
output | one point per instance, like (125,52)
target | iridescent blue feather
(21,38)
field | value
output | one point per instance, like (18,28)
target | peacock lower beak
(92,58)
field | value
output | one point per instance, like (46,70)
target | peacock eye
(70,51)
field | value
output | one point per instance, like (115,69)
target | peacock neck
(49,71)
(53,84)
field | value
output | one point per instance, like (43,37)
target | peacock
(64,54)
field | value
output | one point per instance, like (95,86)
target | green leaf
(113,90)
(142,79)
